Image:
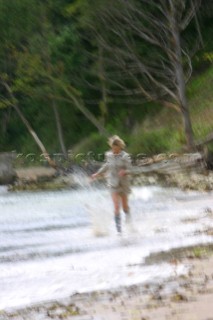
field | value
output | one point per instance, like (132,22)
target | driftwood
(167,164)
(35,174)
(161,164)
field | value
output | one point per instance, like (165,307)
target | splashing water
(82,180)
(98,209)
(55,243)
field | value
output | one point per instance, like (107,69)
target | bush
(153,142)
(92,147)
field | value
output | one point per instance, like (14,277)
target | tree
(19,29)
(52,76)
(13,102)
(145,44)
(29,66)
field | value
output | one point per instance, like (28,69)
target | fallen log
(170,164)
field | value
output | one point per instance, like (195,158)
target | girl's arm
(101,171)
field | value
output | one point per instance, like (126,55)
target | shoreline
(186,171)
(187,181)
(183,297)
(186,297)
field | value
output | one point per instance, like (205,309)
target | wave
(45,251)
(44,228)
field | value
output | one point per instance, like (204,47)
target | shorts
(121,189)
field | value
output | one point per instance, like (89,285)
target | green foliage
(76,6)
(91,146)
(18,20)
(201,130)
(201,85)
(200,101)
(152,142)
(50,46)
(4,103)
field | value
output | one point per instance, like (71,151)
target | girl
(117,166)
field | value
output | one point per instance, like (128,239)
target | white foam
(62,242)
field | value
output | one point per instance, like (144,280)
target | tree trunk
(180,84)
(5,121)
(35,137)
(187,127)
(29,128)
(59,128)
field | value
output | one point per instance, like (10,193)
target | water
(53,244)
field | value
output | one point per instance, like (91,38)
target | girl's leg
(116,203)
(125,206)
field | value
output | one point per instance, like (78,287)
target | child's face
(116,149)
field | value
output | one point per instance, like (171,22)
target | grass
(200,103)
(200,253)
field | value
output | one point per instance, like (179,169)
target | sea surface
(54,244)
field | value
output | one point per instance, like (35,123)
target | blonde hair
(116,141)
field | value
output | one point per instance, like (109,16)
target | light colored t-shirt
(114,163)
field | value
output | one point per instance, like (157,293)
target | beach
(187,297)
(60,256)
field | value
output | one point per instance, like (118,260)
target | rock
(35,174)
(7,172)
(191,180)
(177,297)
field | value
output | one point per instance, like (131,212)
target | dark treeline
(74,69)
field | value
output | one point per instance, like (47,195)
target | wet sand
(188,297)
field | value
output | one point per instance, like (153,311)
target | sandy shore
(188,297)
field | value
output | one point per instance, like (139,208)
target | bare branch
(190,14)
(170,105)
(190,68)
